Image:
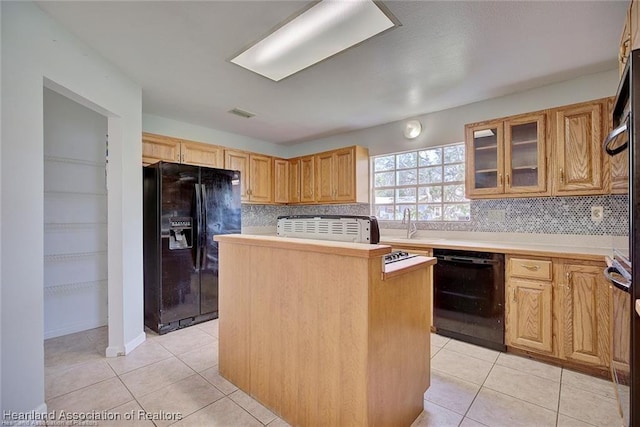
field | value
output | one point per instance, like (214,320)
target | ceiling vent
(241,113)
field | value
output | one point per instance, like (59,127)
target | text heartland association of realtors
(91,416)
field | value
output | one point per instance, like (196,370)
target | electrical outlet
(597,213)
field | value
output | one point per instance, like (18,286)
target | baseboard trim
(115,351)
(75,327)
(131,345)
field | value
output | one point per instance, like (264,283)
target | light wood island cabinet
(328,337)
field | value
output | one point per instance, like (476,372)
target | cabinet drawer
(530,268)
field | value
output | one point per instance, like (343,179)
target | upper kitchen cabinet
(507,157)
(255,175)
(307,179)
(618,164)
(199,154)
(157,148)
(302,179)
(281,180)
(580,164)
(342,176)
(625,38)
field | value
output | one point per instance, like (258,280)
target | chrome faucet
(411,227)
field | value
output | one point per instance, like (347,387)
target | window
(430,182)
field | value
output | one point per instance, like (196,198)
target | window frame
(398,206)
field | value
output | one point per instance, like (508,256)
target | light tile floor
(177,373)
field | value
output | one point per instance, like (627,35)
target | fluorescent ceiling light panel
(325,29)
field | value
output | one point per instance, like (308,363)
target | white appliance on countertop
(341,228)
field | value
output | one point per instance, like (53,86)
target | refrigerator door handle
(199,225)
(612,137)
(203,214)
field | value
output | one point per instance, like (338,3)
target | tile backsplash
(267,215)
(545,215)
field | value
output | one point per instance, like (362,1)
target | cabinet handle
(499,179)
(508,180)
(531,267)
(562,175)
(515,298)
(568,281)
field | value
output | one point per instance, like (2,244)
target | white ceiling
(445,54)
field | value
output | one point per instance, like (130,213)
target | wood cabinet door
(621,324)
(281,180)
(632,33)
(260,179)
(584,315)
(157,147)
(529,314)
(294,180)
(484,150)
(239,161)
(324,177)
(307,179)
(580,163)
(525,153)
(344,175)
(194,153)
(618,164)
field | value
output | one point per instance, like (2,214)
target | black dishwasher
(468,297)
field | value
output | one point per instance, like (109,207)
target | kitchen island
(321,332)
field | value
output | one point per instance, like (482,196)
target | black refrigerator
(624,272)
(184,207)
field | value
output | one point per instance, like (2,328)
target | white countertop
(570,246)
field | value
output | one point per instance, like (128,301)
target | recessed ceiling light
(325,29)
(412,129)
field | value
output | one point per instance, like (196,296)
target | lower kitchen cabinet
(567,317)
(584,314)
(422,252)
(529,315)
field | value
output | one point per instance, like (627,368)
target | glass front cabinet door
(485,159)
(525,155)
(507,157)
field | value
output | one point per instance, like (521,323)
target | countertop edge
(500,247)
(358,250)
(399,268)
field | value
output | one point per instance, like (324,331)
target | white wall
(178,129)
(36,50)
(444,127)
(1,405)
